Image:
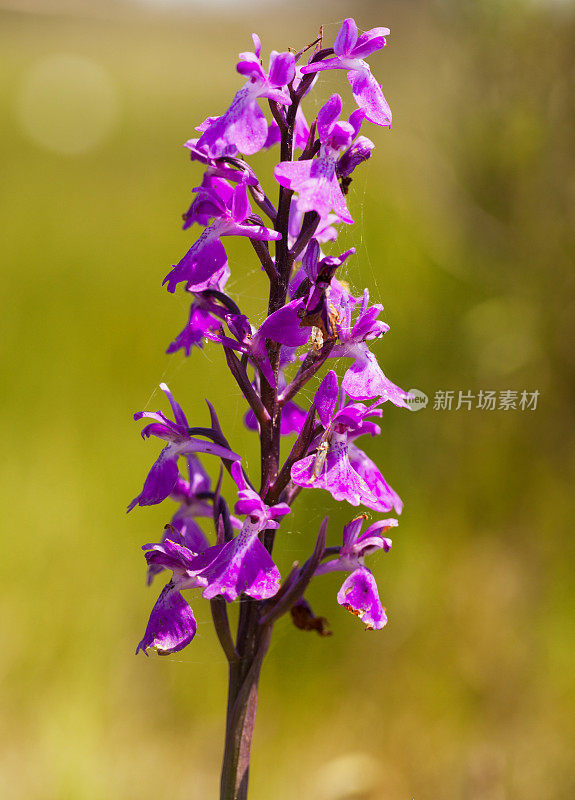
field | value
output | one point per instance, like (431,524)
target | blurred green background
(465,234)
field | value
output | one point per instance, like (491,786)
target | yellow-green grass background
(463,233)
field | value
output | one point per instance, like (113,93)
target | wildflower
(243,126)
(243,565)
(282,327)
(205,265)
(364,379)
(350,51)
(330,467)
(359,593)
(164,473)
(315,180)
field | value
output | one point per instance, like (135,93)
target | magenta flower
(212,197)
(205,265)
(164,474)
(244,565)
(243,126)
(350,51)
(359,593)
(365,379)
(316,180)
(283,326)
(330,467)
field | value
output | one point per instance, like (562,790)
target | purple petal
(338,202)
(249,65)
(335,475)
(373,538)
(203,266)
(240,204)
(250,130)
(365,379)
(242,567)
(179,415)
(171,625)
(384,497)
(282,68)
(369,97)
(326,398)
(359,595)
(351,531)
(310,260)
(159,483)
(199,323)
(293,418)
(199,479)
(338,62)
(327,116)
(283,326)
(274,134)
(189,533)
(359,152)
(369,42)
(183,531)
(291,174)
(346,38)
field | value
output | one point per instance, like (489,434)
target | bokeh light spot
(68,104)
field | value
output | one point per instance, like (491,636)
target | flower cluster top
(314,322)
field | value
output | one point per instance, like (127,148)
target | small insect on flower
(320,457)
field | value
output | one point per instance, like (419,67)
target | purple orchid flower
(205,265)
(316,180)
(350,51)
(330,467)
(283,326)
(210,201)
(365,379)
(359,593)
(243,565)
(172,624)
(312,316)
(243,126)
(164,474)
